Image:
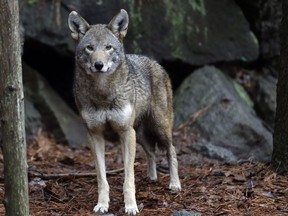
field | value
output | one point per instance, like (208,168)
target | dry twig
(45,176)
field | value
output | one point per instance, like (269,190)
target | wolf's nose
(98,65)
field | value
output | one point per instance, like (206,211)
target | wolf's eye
(108,47)
(89,48)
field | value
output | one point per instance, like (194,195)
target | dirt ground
(209,187)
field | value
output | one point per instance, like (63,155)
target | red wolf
(127,95)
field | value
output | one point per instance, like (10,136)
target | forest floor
(208,187)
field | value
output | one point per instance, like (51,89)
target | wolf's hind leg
(151,169)
(173,169)
(149,145)
(164,141)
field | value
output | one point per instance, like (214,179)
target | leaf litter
(62,182)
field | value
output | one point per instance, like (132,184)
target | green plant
(32,2)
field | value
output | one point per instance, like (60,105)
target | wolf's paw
(153,178)
(175,187)
(131,210)
(101,208)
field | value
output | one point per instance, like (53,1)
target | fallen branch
(45,176)
(194,117)
(60,175)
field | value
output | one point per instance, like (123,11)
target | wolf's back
(152,84)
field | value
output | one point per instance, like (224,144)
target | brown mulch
(209,187)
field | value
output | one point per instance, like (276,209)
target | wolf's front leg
(97,144)
(128,141)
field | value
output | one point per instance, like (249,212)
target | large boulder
(197,32)
(265,101)
(33,120)
(264,17)
(229,126)
(56,116)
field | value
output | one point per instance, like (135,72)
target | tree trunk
(12,112)
(280,152)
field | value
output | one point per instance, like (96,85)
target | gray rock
(265,103)
(51,27)
(33,120)
(229,125)
(186,213)
(264,17)
(197,32)
(57,117)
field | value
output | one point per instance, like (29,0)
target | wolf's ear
(77,25)
(119,24)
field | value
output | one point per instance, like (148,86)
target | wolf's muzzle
(98,65)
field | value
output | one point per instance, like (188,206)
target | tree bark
(280,151)
(12,112)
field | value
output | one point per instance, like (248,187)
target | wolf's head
(100,47)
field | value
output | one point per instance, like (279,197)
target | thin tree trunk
(12,112)
(280,152)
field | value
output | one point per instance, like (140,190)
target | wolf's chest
(118,118)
